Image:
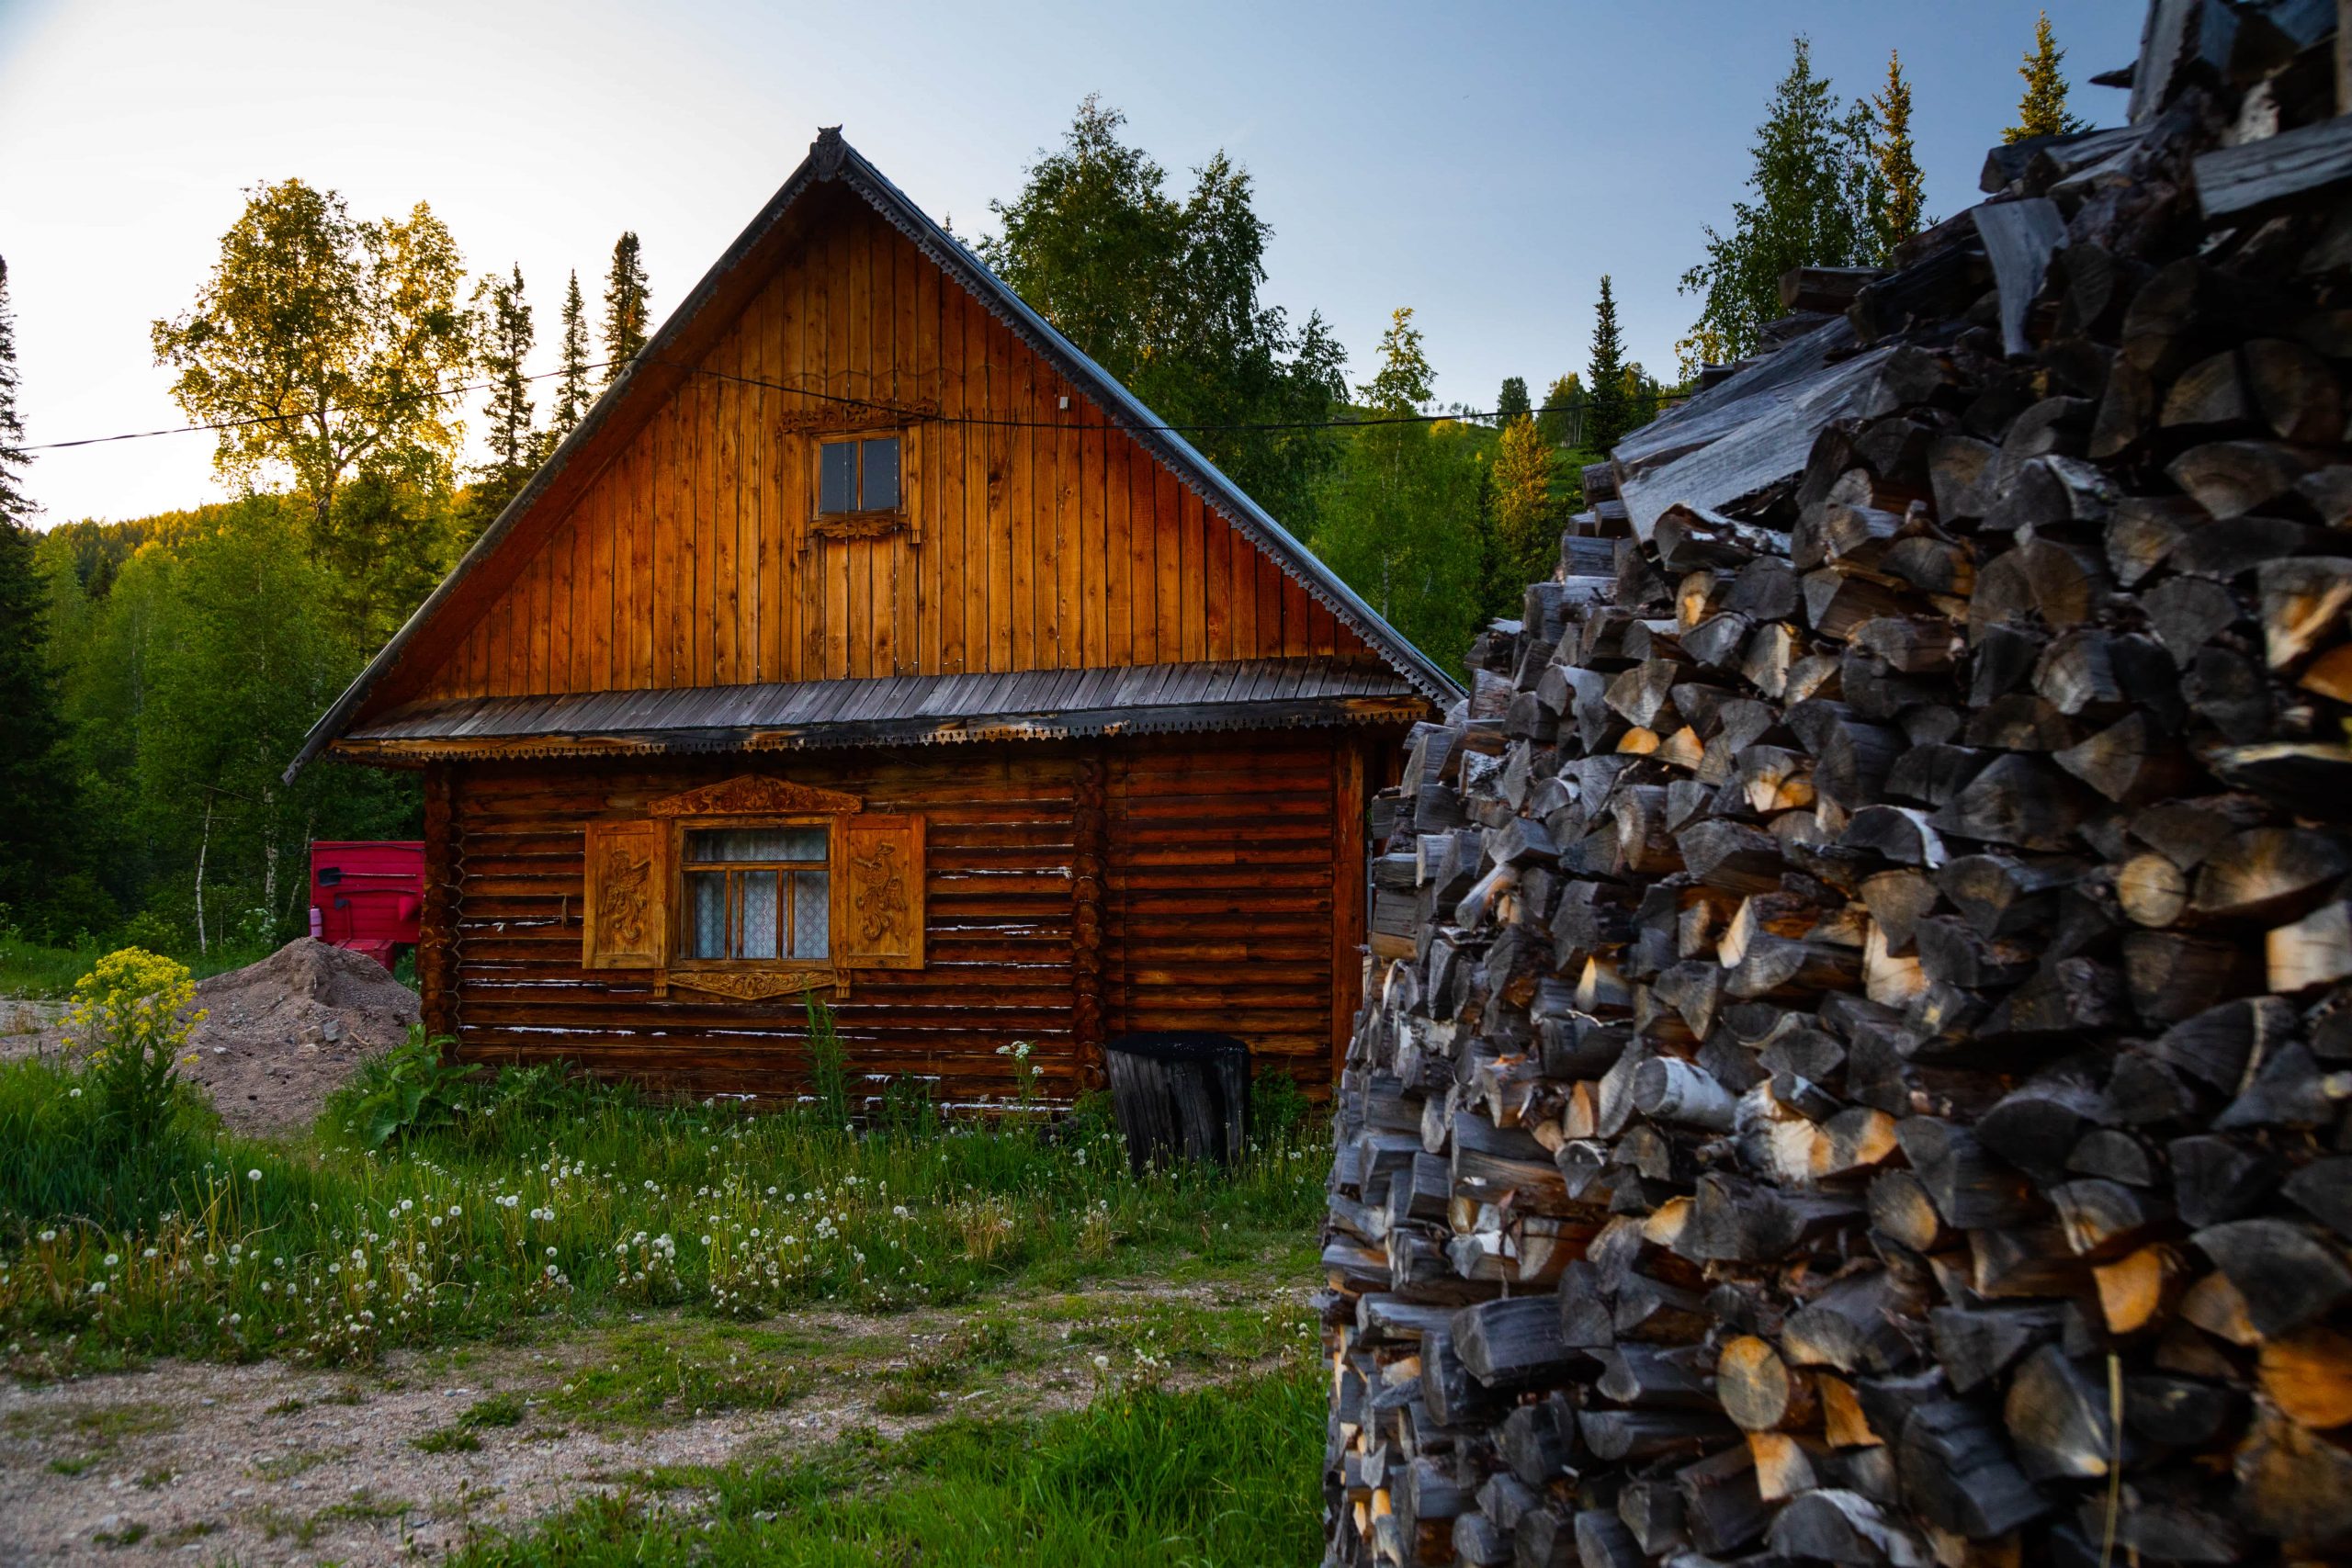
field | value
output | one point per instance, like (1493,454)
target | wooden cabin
(868,640)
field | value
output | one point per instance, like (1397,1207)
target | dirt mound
(280,1036)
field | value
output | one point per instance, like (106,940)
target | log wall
(1211,907)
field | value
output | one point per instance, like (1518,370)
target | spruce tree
(1898,201)
(2043,110)
(625,297)
(506,350)
(1812,183)
(34,835)
(1512,401)
(572,393)
(15,505)
(1609,414)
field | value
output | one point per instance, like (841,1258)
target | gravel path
(207,1463)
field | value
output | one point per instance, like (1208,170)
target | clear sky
(1484,163)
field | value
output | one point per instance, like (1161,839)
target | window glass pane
(837,476)
(881,493)
(757,938)
(706,893)
(706,845)
(811,916)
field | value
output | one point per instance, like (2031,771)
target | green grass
(1207,1478)
(28,968)
(546,1204)
(447,1440)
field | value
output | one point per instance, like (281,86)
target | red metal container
(366,895)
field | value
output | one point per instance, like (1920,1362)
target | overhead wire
(882,406)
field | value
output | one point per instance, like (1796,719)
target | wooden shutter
(625,918)
(878,892)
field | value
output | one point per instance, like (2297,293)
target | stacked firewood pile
(1860,1035)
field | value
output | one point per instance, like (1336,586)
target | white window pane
(708,890)
(758,939)
(880,491)
(811,915)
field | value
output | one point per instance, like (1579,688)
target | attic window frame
(862,522)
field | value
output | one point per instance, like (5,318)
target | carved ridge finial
(829,151)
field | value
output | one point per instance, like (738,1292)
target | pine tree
(506,350)
(33,779)
(572,394)
(1898,196)
(1609,415)
(624,297)
(2043,110)
(1813,184)
(1512,401)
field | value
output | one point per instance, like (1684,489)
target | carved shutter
(625,914)
(878,892)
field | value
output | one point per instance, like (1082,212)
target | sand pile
(280,1036)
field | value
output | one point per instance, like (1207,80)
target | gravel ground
(268,1463)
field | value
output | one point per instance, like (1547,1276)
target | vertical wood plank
(675,495)
(1269,641)
(1118,564)
(1046,476)
(1191,542)
(949,546)
(1168,533)
(720,395)
(914,360)
(1216,586)
(1021,406)
(1143,572)
(1093,537)
(1243,616)
(995,511)
(637,620)
(1297,634)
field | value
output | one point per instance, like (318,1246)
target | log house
(867,640)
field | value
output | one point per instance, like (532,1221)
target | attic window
(857,475)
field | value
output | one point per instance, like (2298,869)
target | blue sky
(1483,163)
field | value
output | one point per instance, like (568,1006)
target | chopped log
(2287,1275)
(2229,479)
(1760,1391)
(1831,1525)
(1514,1344)
(2063,1422)
(2236,184)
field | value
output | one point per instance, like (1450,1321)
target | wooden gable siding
(1042,540)
(1218,915)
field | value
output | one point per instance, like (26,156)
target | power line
(433,394)
(895,410)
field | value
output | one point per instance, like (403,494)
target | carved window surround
(636,913)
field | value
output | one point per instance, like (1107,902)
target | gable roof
(832,159)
